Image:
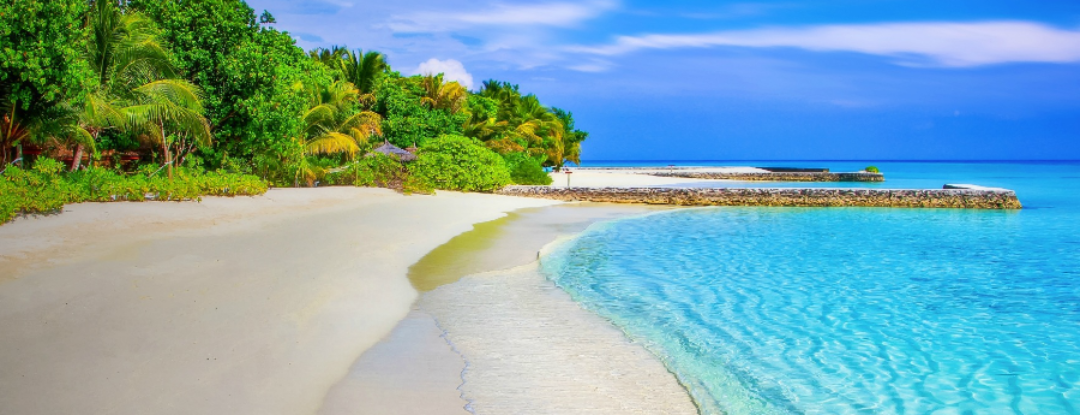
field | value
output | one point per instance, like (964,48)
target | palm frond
(332,143)
(177,92)
(100,112)
(368,121)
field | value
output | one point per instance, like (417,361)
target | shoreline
(488,320)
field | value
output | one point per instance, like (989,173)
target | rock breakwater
(935,198)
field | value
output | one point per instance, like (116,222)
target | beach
(246,305)
(279,304)
(494,331)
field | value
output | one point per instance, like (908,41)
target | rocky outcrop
(936,198)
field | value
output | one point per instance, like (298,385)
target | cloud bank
(451,69)
(916,44)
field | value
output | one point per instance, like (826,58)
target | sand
(599,177)
(534,351)
(238,306)
(300,302)
(413,371)
(521,345)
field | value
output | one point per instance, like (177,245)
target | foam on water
(852,310)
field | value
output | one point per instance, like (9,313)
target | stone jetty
(967,198)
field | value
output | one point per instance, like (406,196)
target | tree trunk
(165,148)
(78,157)
(19,155)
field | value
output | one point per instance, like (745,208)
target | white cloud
(452,70)
(594,66)
(916,44)
(548,14)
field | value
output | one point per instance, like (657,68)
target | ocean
(853,310)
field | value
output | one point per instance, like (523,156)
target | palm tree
(541,128)
(332,57)
(484,129)
(363,69)
(505,93)
(449,96)
(124,48)
(135,91)
(572,137)
(335,124)
(124,53)
(169,104)
(330,129)
(536,129)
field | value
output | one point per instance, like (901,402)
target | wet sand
(521,345)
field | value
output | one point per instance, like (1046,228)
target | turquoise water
(854,310)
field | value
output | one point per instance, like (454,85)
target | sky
(777,80)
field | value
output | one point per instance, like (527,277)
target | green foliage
(40,52)
(364,70)
(376,170)
(572,137)
(522,124)
(872,169)
(206,37)
(526,170)
(209,84)
(406,121)
(453,162)
(267,18)
(481,107)
(44,189)
(265,124)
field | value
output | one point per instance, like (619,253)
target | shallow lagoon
(854,310)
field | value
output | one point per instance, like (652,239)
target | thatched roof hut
(392,150)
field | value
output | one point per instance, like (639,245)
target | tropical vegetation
(173,99)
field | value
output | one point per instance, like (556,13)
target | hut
(392,150)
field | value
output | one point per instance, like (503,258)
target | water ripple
(844,311)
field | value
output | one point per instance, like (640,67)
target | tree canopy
(210,84)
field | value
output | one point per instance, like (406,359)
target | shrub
(45,189)
(376,170)
(453,162)
(872,169)
(526,170)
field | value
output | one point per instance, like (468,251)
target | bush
(45,189)
(872,169)
(526,170)
(453,162)
(376,170)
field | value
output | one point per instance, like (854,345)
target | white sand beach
(637,177)
(298,302)
(535,351)
(520,344)
(239,306)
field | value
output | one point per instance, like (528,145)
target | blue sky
(783,80)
